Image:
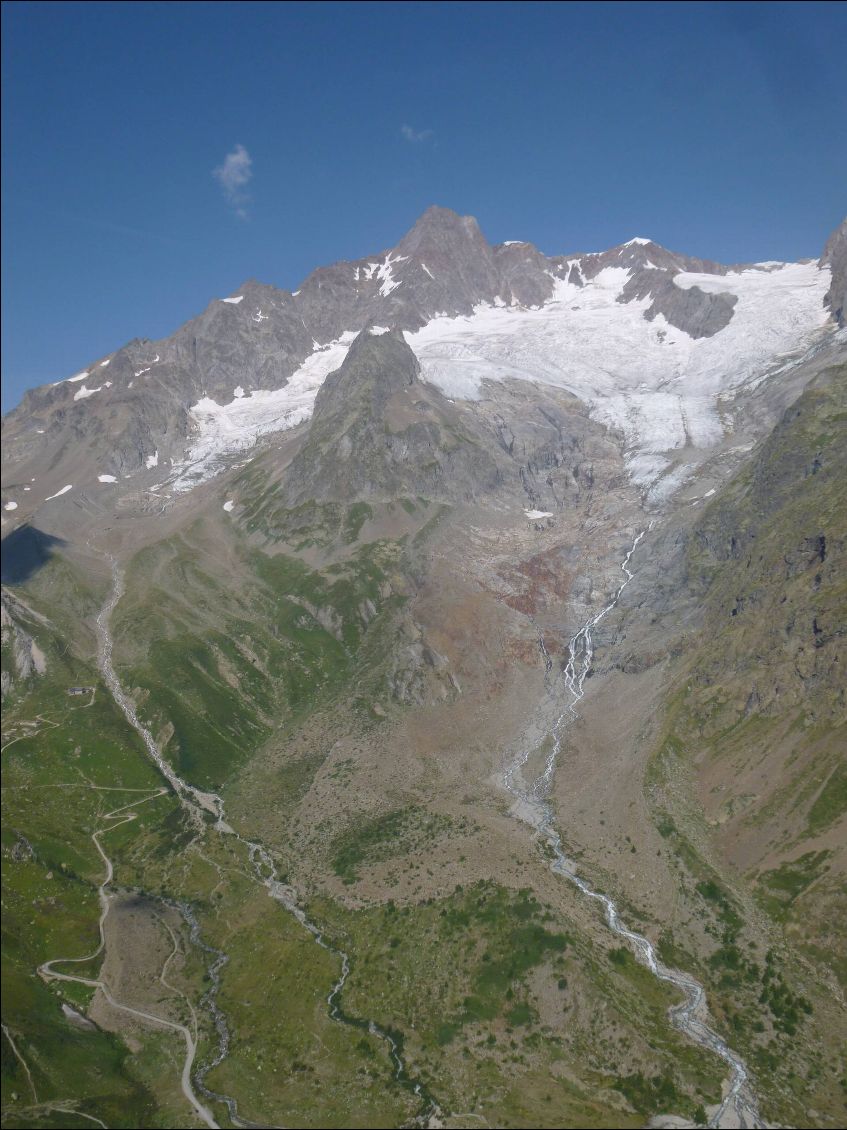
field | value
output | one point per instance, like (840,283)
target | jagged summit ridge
(439,225)
(252,362)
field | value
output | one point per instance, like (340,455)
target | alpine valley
(424,701)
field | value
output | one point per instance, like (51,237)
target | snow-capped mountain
(659,345)
(456,553)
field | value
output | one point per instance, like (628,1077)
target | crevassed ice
(651,381)
(648,379)
(223,430)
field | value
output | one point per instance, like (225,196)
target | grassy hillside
(748,783)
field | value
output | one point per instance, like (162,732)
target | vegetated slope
(752,758)
(506,1002)
(59,753)
(764,706)
(70,1058)
(227,644)
(341,636)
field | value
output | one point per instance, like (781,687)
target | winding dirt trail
(197,803)
(49,973)
(19,1057)
(738,1107)
(58,1106)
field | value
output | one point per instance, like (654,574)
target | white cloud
(233,176)
(415,136)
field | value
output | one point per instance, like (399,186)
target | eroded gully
(738,1106)
(203,807)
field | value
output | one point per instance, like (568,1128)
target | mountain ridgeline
(424,701)
(134,406)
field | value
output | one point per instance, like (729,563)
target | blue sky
(717,129)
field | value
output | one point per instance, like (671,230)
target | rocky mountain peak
(379,432)
(439,229)
(378,364)
(447,261)
(252,361)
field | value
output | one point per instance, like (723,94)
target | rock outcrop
(379,432)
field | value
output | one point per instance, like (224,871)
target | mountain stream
(738,1107)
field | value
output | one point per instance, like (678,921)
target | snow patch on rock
(84,392)
(223,430)
(59,493)
(385,274)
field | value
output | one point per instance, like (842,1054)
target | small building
(80,690)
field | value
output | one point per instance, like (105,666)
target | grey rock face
(379,433)
(23,658)
(132,409)
(835,257)
(255,344)
(652,269)
(457,254)
(690,309)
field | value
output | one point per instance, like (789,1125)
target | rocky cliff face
(22,657)
(835,257)
(378,432)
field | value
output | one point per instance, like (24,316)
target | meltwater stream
(197,803)
(738,1107)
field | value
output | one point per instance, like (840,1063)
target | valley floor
(305,855)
